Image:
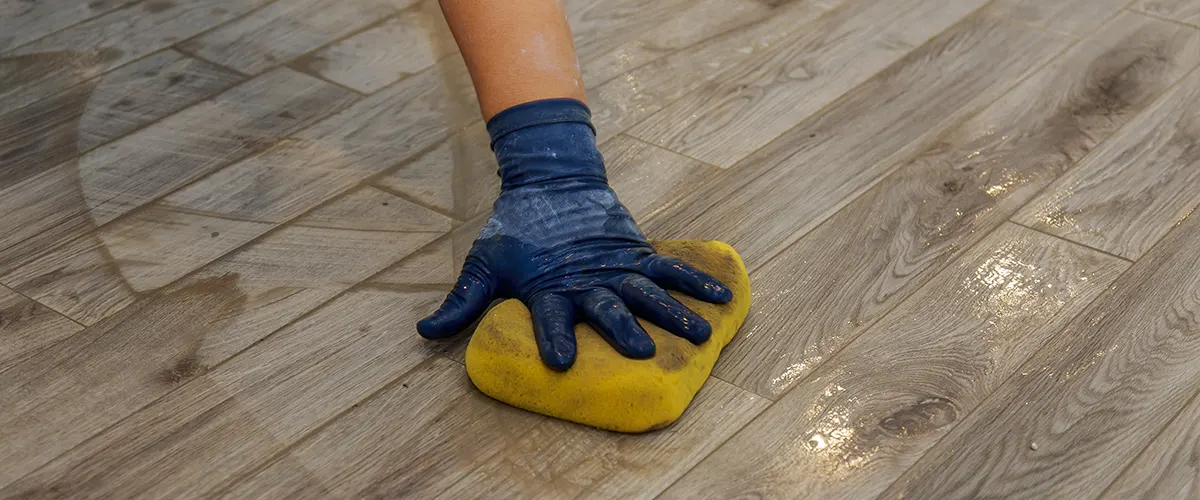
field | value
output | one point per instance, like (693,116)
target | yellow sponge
(604,389)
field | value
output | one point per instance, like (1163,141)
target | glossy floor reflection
(968,223)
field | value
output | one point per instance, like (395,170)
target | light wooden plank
(684,26)
(624,101)
(459,176)
(26,79)
(1167,468)
(146,90)
(1089,400)
(556,459)
(27,327)
(244,120)
(1137,186)
(416,438)
(138,168)
(760,98)
(601,28)
(791,185)
(95,276)
(1074,18)
(1184,11)
(432,431)
(225,423)
(37,137)
(101,44)
(286,29)
(40,213)
(371,60)
(23,21)
(432,265)
(56,129)
(247,198)
(864,417)
(75,389)
(845,274)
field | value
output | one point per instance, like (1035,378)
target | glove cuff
(542,112)
(544,142)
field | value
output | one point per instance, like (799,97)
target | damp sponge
(604,389)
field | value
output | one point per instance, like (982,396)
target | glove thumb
(465,304)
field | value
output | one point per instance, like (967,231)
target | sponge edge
(604,389)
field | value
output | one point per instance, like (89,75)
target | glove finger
(650,301)
(554,329)
(469,299)
(674,274)
(605,311)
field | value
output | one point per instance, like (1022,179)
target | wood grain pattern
(1167,467)
(27,327)
(23,22)
(1090,399)
(162,241)
(625,100)
(99,274)
(587,463)
(71,199)
(1185,11)
(145,350)
(784,190)
(679,29)
(101,44)
(224,423)
(458,176)
(26,79)
(866,415)
(146,90)
(284,30)
(886,243)
(373,59)
(457,442)
(1136,186)
(183,147)
(56,129)
(1070,17)
(759,98)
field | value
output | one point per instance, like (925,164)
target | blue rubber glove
(560,241)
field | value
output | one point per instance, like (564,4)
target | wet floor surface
(968,224)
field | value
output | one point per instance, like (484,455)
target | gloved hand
(560,241)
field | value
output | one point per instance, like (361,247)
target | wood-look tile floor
(968,223)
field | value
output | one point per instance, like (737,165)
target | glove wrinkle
(560,240)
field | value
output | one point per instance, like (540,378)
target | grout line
(194,55)
(215,366)
(1152,15)
(672,151)
(1178,415)
(1072,242)
(901,162)
(743,428)
(288,63)
(1086,307)
(270,144)
(410,199)
(895,170)
(1020,368)
(883,314)
(294,66)
(236,479)
(69,26)
(51,309)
